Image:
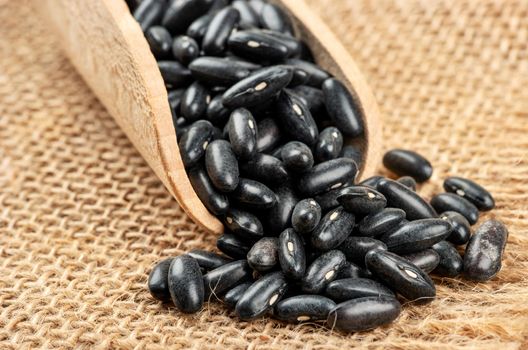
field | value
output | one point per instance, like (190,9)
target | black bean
(361,200)
(400,196)
(199,26)
(175,97)
(244,224)
(427,259)
(322,271)
(363,313)
(258,46)
(408,181)
(186,284)
(269,135)
(343,108)
(452,202)
(451,263)
(404,162)
(376,224)
(400,274)
(208,260)
(159,40)
(356,248)
(222,165)
(226,277)
(194,102)
(265,168)
(316,75)
(215,38)
(242,129)
(258,87)
(312,97)
(306,215)
(216,113)
(461,230)
(302,308)
(471,191)
(329,144)
(253,194)
(194,142)
(333,229)
(297,157)
(248,17)
(372,181)
(328,200)
(483,257)
(149,13)
(272,17)
(185,49)
(232,246)
(292,256)
(327,176)
(261,296)
(264,255)
(293,45)
(232,297)
(296,119)
(279,216)
(417,235)
(216,71)
(158,282)
(351,270)
(352,288)
(181,13)
(216,202)
(174,74)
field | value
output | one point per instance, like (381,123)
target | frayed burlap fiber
(83,218)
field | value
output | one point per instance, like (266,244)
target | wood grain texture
(108,48)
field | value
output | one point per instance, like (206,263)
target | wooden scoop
(106,45)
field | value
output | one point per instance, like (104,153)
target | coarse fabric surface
(83,218)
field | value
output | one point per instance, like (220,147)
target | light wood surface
(108,48)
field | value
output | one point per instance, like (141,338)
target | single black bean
(296,119)
(483,257)
(356,248)
(329,144)
(253,194)
(248,17)
(216,202)
(232,297)
(364,313)
(417,235)
(269,135)
(302,308)
(292,256)
(242,129)
(272,17)
(327,176)
(361,200)
(149,13)
(158,282)
(343,108)
(461,230)
(312,97)
(400,274)
(408,181)
(452,202)
(352,288)
(299,77)
(215,39)
(186,284)
(297,156)
(400,196)
(427,259)
(316,75)
(322,271)
(279,216)
(258,87)
(372,181)
(261,296)
(185,49)
(451,263)
(222,165)
(174,74)
(293,45)
(181,13)
(404,162)
(208,260)
(216,71)
(264,255)
(306,216)
(258,46)
(232,246)
(376,224)
(199,26)
(194,142)
(159,40)
(333,229)
(216,113)
(226,277)
(471,191)
(194,102)
(243,224)
(265,168)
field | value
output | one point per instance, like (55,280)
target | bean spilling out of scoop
(269,140)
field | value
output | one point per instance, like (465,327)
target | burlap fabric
(83,218)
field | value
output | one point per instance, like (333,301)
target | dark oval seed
(322,271)
(269,135)
(216,202)
(451,263)
(199,26)
(403,162)
(264,255)
(356,248)
(293,45)
(257,45)
(471,191)
(372,181)
(302,308)
(461,230)
(253,194)
(186,284)
(193,143)
(181,13)
(159,40)
(265,168)
(329,144)
(174,74)
(408,181)
(296,119)
(233,295)
(226,277)
(312,97)
(216,71)
(363,313)
(208,260)
(427,259)
(399,274)
(248,17)
(261,296)
(376,224)
(356,154)
(327,176)
(194,102)
(306,215)
(333,229)
(279,216)
(452,202)
(272,17)
(158,282)
(400,196)
(215,38)
(483,257)
(344,109)
(216,113)
(149,13)
(185,49)
(316,75)
(417,235)
(296,156)
(175,97)
(292,256)
(232,246)
(242,129)
(243,224)
(222,165)
(361,200)
(352,288)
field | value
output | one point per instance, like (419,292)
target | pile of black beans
(261,132)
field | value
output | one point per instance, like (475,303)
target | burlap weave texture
(83,218)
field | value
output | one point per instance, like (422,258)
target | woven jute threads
(83,218)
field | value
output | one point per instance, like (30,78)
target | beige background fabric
(83,218)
